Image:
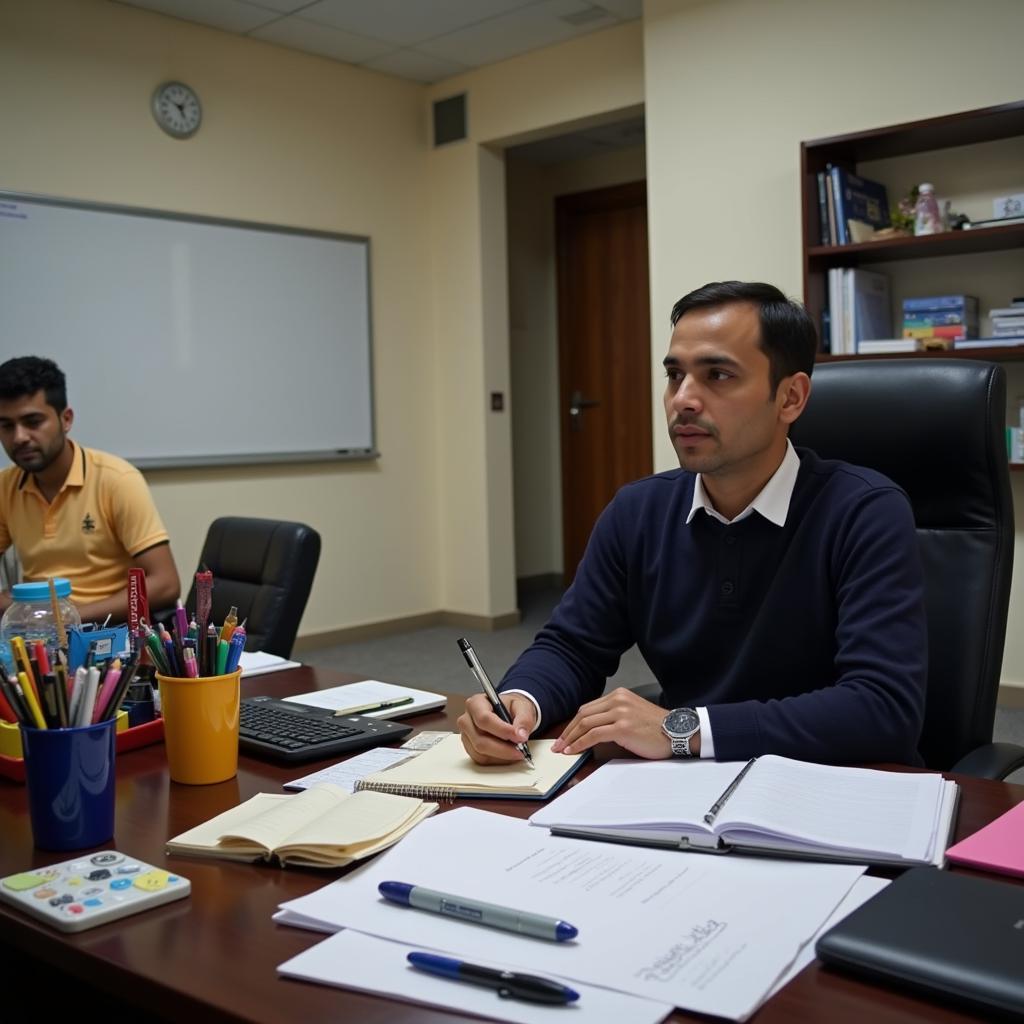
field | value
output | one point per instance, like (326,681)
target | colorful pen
(235,647)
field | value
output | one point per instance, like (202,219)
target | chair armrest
(992,761)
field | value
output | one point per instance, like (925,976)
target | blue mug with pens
(69,774)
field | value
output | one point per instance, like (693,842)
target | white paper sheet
(353,694)
(368,964)
(864,888)
(346,774)
(706,933)
(258,663)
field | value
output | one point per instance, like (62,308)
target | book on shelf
(837,197)
(938,318)
(446,771)
(952,332)
(823,234)
(878,346)
(966,304)
(871,306)
(322,827)
(994,222)
(1009,342)
(771,805)
(830,201)
(864,200)
(1008,311)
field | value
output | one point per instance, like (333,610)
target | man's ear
(793,394)
(67,417)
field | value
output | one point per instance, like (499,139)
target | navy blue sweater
(806,640)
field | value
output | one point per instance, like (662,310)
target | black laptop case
(952,935)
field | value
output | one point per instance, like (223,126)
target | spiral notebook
(446,771)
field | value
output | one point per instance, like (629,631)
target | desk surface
(213,956)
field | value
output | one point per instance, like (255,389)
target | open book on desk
(322,827)
(446,771)
(772,805)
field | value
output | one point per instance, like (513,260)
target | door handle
(577,403)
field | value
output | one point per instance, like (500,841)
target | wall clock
(177,110)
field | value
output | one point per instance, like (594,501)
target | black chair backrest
(265,567)
(936,426)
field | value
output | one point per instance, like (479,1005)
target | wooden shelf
(949,243)
(999,353)
(967,128)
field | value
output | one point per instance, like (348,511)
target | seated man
(777,597)
(72,511)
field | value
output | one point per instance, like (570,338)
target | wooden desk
(212,957)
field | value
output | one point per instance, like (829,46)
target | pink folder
(999,846)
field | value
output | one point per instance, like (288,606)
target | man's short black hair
(28,374)
(788,336)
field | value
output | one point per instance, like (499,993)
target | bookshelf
(931,136)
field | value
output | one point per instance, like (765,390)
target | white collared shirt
(772,502)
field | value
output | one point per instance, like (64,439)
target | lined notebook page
(358,819)
(447,767)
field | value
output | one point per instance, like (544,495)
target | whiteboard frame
(248,459)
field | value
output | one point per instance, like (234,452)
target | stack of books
(1008,322)
(850,208)
(859,309)
(940,321)
(1007,328)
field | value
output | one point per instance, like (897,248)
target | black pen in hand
(489,692)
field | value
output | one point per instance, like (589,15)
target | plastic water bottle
(30,616)
(927,216)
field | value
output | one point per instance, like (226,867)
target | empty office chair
(265,567)
(936,427)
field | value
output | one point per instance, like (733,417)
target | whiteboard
(191,340)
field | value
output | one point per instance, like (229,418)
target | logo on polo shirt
(88,524)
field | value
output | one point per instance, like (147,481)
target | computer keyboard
(285,731)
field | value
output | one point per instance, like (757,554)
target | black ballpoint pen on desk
(492,695)
(508,984)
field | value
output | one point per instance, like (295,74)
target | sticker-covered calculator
(91,889)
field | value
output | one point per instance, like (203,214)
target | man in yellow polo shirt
(73,511)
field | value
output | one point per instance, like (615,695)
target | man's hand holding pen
(490,740)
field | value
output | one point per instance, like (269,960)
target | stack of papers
(258,663)
(707,934)
(371,691)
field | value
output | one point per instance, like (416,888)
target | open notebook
(772,805)
(322,827)
(446,771)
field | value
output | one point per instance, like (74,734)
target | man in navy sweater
(776,596)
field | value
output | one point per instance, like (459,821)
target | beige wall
(511,101)
(536,434)
(732,87)
(289,139)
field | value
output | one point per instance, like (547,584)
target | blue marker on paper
(492,916)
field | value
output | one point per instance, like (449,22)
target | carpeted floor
(429,658)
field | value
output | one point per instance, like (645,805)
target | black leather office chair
(936,427)
(265,567)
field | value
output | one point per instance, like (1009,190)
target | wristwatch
(680,726)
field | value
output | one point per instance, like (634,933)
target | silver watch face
(681,722)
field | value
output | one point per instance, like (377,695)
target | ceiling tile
(231,15)
(404,23)
(529,28)
(627,10)
(281,6)
(321,39)
(420,67)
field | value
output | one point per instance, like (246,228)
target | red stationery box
(12,764)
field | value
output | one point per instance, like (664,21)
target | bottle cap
(40,591)
(926,186)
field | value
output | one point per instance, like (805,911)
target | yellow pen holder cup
(201,727)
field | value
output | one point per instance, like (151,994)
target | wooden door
(604,342)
